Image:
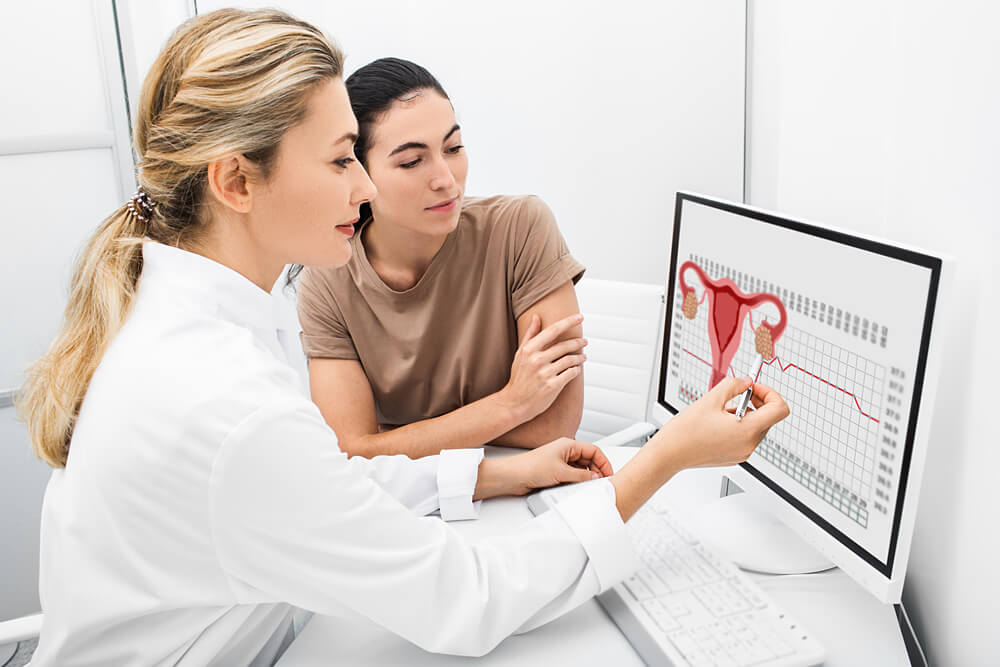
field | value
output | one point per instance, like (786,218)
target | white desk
(855,628)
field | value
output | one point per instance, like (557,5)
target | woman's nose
(364,190)
(442,178)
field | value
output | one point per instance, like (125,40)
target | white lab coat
(205,501)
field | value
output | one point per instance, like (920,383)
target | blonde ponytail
(103,283)
(230,81)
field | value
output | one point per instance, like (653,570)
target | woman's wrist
(513,412)
(496,478)
(652,467)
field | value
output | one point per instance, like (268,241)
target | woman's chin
(441,227)
(335,258)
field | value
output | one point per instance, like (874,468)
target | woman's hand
(543,366)
(562,460)
(706,433)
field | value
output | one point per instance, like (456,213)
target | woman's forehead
(423,117)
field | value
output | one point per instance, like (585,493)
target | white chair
(622,322)
(17,630)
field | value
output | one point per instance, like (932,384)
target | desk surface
(855,628)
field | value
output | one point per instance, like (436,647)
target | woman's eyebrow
(351,137)
(409,144)
(418,144)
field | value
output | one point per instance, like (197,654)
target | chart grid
(829,442)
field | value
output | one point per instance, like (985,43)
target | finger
(771,411)
(760,391)
(564,378)
(593,456)
(569,361)
(551,333)
(562,348)
(571,473)
(534,326)
(728,389)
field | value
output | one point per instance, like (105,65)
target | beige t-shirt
(451,338)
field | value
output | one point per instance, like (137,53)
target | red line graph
(784,368)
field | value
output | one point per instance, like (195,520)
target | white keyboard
(689,606)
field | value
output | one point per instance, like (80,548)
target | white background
(602,109)
(877,116)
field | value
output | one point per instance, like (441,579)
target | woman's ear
(228,182)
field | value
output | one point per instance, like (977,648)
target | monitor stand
(755,540)
(7,652)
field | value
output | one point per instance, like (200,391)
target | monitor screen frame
(887,582)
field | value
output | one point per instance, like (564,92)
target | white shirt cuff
(593,517)
(458,472)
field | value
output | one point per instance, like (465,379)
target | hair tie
(141,206)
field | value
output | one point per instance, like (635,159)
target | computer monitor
(847,329)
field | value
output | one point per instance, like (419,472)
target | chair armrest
(633,436)
(20,629)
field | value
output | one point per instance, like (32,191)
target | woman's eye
(343,162)
(411,164)
(456,149)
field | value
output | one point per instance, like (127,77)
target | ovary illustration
(727,308)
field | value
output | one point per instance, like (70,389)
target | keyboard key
(711,600)
(728,596)
(677,581)
(748,591)
(659,614)
(754,653)
(638,589)
(653,583)
(720,657)
(689,648)
(721,631)
(676,606)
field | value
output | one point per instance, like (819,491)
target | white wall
(65,164)
(603,109)
(881,116)
(60,168)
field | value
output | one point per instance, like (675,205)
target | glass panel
(52,203)
(57,84)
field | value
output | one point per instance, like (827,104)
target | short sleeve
(324,332)
(539,260)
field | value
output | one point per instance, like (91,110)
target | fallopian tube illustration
(727,308)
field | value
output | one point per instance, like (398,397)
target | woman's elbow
(355,446)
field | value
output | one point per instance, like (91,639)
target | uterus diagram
(728,307)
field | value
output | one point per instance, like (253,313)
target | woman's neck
(229,244)
(399,256)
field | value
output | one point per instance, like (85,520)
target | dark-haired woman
(455,323)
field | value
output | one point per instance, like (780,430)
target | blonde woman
(198,498)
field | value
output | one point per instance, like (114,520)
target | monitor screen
(839,325)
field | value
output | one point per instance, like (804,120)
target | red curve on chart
(785,368)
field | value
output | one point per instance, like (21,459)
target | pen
(744,402)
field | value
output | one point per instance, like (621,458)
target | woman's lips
(445,206)
(347,229)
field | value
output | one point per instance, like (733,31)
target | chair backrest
(622,322)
